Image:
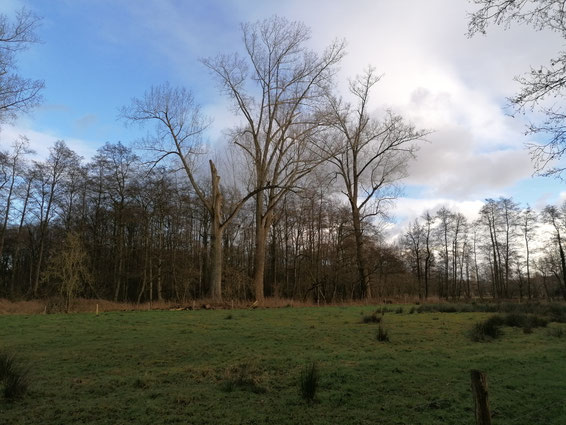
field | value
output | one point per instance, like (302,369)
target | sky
(96,55)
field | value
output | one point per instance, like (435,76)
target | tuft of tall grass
(243,377)
(308,382)
(556,332)
(371,318)
(554,312)
(14,377)
(382,334)
(487,330)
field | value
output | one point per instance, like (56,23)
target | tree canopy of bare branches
(276,87)
(17,94)
(544,86)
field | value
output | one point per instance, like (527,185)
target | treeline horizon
(295,213)
(117,228)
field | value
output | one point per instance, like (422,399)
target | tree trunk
(216,263)
(216,237)
(260,246)
(42,231)
(7,212)
(363,275)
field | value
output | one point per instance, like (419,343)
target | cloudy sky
(96,55)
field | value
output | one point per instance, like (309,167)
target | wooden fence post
(479,390)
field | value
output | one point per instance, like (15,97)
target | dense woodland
(115,228)
(296,207)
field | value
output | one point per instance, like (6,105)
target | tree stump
(479,390)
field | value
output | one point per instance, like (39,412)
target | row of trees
(310,175)
(506,252)
(161,219)
(120,228)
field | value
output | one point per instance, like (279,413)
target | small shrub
(243,377)
(556,332)
(487,330)
(308,383)
(140,383)
(14,377)
(16,385)
(537,321)
(527,329)
(229,317)
(371,318)
(412,310)
(520,320)
(399,310)
(495,321)
(448,308)
(382,334)
(516,320)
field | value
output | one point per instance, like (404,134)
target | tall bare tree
(370,157)
(50,176)
(179,130)
(17,94)
(555,217)
(11,166)
(543,87)
(276,87)
(528,225)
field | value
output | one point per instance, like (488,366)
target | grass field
(243,367)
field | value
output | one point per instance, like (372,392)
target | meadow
(244,367)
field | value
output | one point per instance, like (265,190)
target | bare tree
(50,176)
(179,129)
(370,157)
(528,224)
(276,87)
(555,217)
(491,218)
(17,94)
(414,240)
(429,254)
(11,166)
(541,83)
(118,168)
(70,268)
(445,218)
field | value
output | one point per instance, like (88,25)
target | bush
(382,334)
(399,310)
(371,318)
(487,330)
(537,321)
(516,320)
(556,332)
(309,382)
(243,377)
(14,377)
(140,383)
(525,321)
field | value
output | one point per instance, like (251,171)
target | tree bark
(363,275)
(479,390)
(216,237)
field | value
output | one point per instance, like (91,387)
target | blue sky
(96,55)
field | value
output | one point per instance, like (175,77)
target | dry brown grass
(22,307)
(83,305)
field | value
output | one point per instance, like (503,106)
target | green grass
(196,367)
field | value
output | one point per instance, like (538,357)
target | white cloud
(407,210)
(40,142)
